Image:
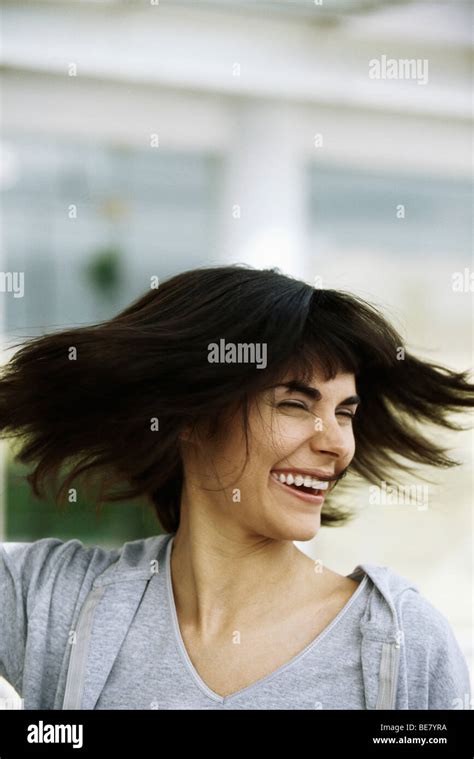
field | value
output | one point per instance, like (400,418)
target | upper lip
(311,472)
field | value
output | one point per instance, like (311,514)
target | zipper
(389,664)
(78,658)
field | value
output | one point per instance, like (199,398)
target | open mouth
(304,486)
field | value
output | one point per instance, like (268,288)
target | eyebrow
(315,394)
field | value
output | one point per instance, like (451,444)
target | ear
(195,433)
(187,434)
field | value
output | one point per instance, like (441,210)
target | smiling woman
(238,461)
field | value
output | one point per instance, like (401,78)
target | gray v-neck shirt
(153,669)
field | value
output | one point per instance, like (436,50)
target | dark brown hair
(92,414)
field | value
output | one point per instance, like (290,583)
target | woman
(234,400)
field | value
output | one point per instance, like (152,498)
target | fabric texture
(94,628)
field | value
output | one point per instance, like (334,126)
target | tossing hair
(93,414)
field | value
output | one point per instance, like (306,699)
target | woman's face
(292,431)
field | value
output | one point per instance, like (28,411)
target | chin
(302,529)
(305,534)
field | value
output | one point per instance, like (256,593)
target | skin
(234,566)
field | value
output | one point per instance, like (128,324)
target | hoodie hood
(111,603)
(384,668)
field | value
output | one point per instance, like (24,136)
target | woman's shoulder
(33,564)
(423,623)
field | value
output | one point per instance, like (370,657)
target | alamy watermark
(399,495)
(13,282)
(399,68)
(462,281)
(237,353)
(466,702)
(47,733)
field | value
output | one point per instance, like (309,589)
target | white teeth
(299,480)
(319,485)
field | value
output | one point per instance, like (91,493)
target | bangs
(327,358)
(338,335)
(345,334)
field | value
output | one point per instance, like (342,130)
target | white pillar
(265,185)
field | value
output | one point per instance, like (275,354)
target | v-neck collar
(190,666)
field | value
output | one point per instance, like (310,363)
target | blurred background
(142,138)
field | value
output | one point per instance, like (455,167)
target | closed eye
(294,404)
(301,405)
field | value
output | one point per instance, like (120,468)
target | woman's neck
(222,580)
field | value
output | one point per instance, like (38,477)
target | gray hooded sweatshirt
(68,613)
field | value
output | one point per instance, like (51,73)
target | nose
(328,437)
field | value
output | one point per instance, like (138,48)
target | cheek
(350,442)
(228,455)
(275,443)
(220,456)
